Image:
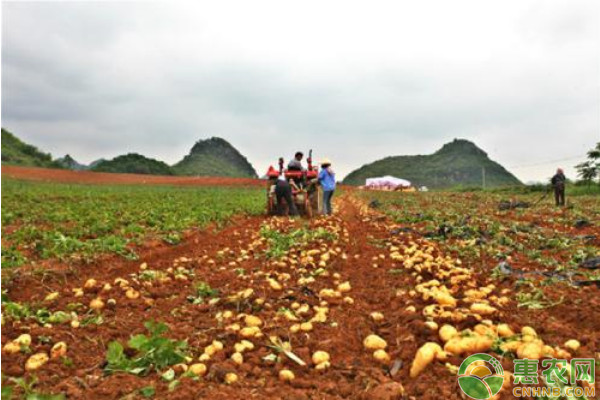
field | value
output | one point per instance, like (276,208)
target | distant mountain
(214,157)
(133,163)
(69,162)
(16,152)
(94,163)
(458,163)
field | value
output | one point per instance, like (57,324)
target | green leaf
(7,392)
(138,341)
(147,391)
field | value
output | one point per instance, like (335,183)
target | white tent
(389,182)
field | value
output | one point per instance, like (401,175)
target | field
(139,291)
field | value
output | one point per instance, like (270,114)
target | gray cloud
(356,83)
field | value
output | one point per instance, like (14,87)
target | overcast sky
(354,81)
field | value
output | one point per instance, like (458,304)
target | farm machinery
(306,192)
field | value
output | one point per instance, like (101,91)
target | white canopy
(387,181)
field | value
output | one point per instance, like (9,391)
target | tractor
(306,194)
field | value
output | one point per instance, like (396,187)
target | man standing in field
(327,181)
(558,183)
(283,191)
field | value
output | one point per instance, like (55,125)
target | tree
(590,169)
(587,171)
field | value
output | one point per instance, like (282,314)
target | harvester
(306,193)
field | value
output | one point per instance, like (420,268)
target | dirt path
(333,283)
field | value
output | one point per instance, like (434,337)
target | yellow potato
(377,316)
(231,378)
(58,350)
(505,331)
(447,332)
(425,355)
(237,358)
(252,320)
(572,345)
(286,375)
(320,356)
(374,342)
(36,361)
(12,347)
(197,369)
(527,330)
(97,304)
(23,340)
(381,356)
(531,350)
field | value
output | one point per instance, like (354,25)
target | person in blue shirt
(327,181)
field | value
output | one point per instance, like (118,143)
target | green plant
(153,352)
(202,291)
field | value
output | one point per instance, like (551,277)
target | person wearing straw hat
(327,181)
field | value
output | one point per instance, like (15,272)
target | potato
(210,350)
(295,328)
(425,355)
(381,356)
(197,369)
(97,304)
(252,320)
(250,331)
(217,345)
(572,345)
(344,287)
(36,361)
(204,357)
(482,309)
(432,325)
(324,365)
(374,342)
(504,330)
(306,326)
(90,284)
(230,378)
(447,332)
(51,296)
(527,330)
(274,284)
(237,358)
(377,316)
(132,294)
(531,350)
(320,356)
(58,350)
(23,340)
(286,375)
(11,347)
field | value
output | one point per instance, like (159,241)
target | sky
(354,81)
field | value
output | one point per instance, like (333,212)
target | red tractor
(306,192)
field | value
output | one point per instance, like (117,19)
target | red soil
(88,177)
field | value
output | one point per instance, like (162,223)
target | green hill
(16,152)
(133,163)
(69,162)
(214,157)
(458,163)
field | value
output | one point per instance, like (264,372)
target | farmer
(296,163)
(283,190)
(558,183)
(327,181)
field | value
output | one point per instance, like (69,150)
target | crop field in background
(191,292)
(72,221)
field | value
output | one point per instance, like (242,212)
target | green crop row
(70,221)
